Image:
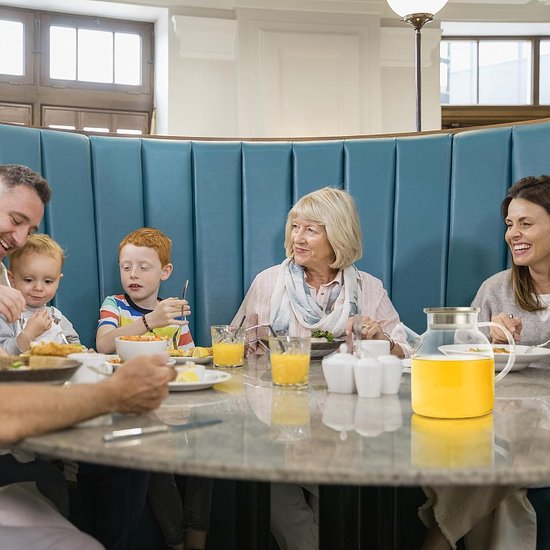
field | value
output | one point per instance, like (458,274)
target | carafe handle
(512,354)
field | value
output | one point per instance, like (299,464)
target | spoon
(531,348)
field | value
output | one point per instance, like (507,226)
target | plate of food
(198,354)
(323,343)
(37,368)
(202,381)
(501,353)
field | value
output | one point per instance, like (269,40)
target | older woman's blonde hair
(336,211)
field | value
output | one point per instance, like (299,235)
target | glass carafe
(453,368)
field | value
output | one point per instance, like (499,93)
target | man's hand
(12,303)
(141,384)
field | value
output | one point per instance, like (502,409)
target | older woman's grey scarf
(294,310)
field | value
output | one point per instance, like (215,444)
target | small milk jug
(453,369)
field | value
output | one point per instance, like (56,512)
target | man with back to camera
(27,519)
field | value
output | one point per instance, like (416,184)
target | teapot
(453,368)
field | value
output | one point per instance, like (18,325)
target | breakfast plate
(198,360)
(501,354)
(210,378)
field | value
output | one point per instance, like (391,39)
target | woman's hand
(513,324)
(370,329)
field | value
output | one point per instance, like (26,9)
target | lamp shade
(408,7)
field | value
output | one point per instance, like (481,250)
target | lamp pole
(417,13)
(417,21)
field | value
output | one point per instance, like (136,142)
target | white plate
(522,359)
(198,360)
(110,358)
(211,377)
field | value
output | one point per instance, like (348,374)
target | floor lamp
(417,13)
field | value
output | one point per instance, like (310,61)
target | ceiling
(150,10)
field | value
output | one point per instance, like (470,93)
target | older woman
(518,298)
(318,287)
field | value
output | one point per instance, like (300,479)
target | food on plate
(115,360)
(13,362)
(190,372)
(495,350)
(322,334)
(55,349)
(30,362)
(201,352)
(187,375)
(142,338)
(197,351)
(179,352)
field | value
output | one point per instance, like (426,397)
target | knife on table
(160,428)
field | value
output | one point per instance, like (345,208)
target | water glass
(289,357)
(227,346)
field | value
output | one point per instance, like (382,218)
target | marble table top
(313,436)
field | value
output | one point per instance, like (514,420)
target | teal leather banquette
(429,207)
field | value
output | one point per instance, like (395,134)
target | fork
(57,320)
(175,338)
(6,282)
(531,348)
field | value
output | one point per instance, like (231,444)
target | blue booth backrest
(429,207)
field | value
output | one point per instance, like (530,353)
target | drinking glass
(289,357)
(227,345)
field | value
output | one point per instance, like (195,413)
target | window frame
(37,90)
(30,45)
(96,23)
(458,116)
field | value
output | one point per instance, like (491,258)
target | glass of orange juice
(289,358)
(227,345)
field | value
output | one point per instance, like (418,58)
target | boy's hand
(38,323)
(167,311)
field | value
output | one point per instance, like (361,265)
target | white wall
(272,73)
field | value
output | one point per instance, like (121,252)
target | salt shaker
(338,371)
(391,378)
(368,377)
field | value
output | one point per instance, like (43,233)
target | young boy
(35,270)
(181,504)
(144,261)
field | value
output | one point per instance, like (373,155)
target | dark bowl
(55,370)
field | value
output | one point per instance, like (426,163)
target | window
(60,67)
(486,72)
(544,74)
(488,80)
